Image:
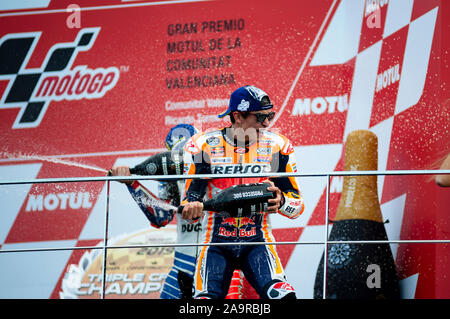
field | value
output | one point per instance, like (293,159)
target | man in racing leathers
(178,283)
(245,147)
(185,256)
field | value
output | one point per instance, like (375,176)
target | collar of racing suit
(230,138)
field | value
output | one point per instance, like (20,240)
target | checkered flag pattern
(15,52)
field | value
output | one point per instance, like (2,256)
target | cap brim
(221,115)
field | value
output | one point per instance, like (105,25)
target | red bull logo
(231,221)
(244,221)
(238,222)
(239,229)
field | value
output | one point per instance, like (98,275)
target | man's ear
(237,117)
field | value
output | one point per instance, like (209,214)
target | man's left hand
(278,201)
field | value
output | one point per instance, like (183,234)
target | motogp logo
(32,89)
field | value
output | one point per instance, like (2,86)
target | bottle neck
(359,199)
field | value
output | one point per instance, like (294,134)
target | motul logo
(388,77)
(32,89)
(320,105)
(61,201)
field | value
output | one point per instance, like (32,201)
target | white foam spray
(21,157)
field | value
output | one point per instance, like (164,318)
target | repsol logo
(240,169)
(32,90)
(320,105)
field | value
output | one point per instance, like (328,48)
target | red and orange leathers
(217,152)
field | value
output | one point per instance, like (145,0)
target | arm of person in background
(444,179)
(195,189)
(158,217)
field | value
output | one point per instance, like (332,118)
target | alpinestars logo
(32,89)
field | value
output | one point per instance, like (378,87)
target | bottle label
(151,168)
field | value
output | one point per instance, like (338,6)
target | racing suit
(178,283)
(185,256)
(217,152)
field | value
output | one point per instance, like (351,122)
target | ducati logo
(32,89)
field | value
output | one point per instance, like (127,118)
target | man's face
(253,123)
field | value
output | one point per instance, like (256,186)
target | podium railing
(325,242)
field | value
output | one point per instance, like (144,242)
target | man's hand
(121,171)
(276,202)
(444,180)
(192,210)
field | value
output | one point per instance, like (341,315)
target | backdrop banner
(90,85)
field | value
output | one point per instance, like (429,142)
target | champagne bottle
(240,200)
(354,271)
(165,163)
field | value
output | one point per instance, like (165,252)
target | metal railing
(325,242)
